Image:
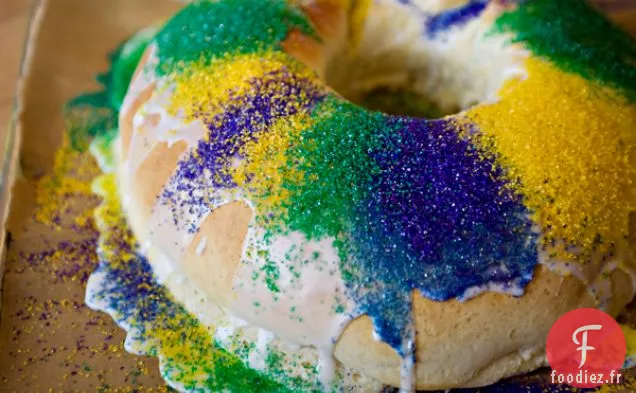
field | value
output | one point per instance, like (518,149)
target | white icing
(174,240)
(145,247)
(326,367)
(226,330)
(595,274)
(143,80)
(142,35)
(259,354)
(169,128)
(310,288)
(407,375)
(201,246)
(408,364)
(512,289)
(527,353)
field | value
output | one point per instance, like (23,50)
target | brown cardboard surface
(14,18)
(13,26)
(49,340)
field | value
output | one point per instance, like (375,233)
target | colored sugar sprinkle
(245,116)
(72,176)
(207,30)
(64,261)
(341,172)
(264,168)
(454,17)
(437,220)
(46,322)
(434,225)
(203,91)
(190,357)
(573,155)
(573,36)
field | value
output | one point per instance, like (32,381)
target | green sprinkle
(573,36)
(127,58)
(206,30)
(272,274)
(96,114)
(334,164)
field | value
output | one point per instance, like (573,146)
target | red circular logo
(586,349)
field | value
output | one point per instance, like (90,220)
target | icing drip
(326,367)
(407,375)
(259,355)
(174,239)
(409,364)
(201,246)
(596,276)
(295,290)
(153,124)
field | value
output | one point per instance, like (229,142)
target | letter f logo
(570,341)
(584,347)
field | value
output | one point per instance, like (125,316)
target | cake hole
(403,102)
(399,69)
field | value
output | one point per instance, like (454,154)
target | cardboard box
(49,340)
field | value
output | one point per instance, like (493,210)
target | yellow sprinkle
(630,340)
(110,219)
(204,89)
(266,166)
(358,16)
(572,145)
(161,334)
(72,174)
